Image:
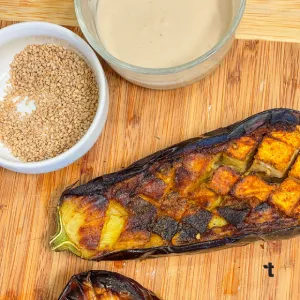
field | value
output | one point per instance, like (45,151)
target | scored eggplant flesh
(104,285)
(230,186)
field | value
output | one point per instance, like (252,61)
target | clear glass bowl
(159,78)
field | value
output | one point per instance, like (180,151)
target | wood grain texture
(255,76)
(264,19)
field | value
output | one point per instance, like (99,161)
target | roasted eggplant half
(104,285)
(228,187)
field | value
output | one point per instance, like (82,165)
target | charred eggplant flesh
(104,285)
(230,186)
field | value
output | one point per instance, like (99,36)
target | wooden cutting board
(256,75)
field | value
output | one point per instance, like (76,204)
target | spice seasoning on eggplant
(105,285)
(228,187)
(65,94)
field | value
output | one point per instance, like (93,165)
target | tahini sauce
(161,33)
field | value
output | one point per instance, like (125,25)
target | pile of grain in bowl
(65,94)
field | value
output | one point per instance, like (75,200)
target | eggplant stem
(60,241)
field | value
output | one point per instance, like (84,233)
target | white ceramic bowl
(12,40)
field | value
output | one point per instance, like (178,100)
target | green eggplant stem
(61,241)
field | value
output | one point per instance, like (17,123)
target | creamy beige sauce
(161,33)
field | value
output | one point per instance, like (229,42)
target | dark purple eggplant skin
(100,185)
(112,281)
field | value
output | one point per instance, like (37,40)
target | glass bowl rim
(157,71)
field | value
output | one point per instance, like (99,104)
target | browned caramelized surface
(241,148)
(295,171)
(88,288)
(276,154)
(250,185)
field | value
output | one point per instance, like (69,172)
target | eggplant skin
(104,285)
(226,188)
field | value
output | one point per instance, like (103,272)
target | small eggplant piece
(228,187)
(274,158)
(223,180)
(240,153)
(232,215)
(254,189)
(199,220)
(104,285)
(287,196)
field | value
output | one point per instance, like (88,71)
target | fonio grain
(65,93)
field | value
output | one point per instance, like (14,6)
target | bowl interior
(7,52)
(86,11)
